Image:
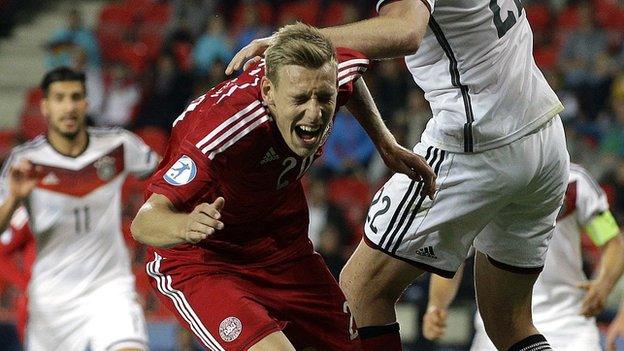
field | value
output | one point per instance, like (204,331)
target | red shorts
(232,307)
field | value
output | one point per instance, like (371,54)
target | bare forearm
(611,262)
(442,291)
(158,225)
(397,31)
(7,209)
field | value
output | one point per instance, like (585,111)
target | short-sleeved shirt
(227,144)
(476,67)
(556,294)
(75,213)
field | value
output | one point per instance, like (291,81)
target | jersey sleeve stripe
(239,136)
(348,78)
(234,129)
(228,122)
(349,63)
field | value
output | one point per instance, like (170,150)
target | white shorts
(106,320)
(505,200)
(585,338)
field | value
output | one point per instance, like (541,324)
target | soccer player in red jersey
(226,213)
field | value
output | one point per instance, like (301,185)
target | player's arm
(604,231)
(616,329)
(20,182)
(442,292)
(397,31)
(396,157)
(158,222)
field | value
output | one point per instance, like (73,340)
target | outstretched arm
(160,224)
(442,292)
(396,157)
(397,31)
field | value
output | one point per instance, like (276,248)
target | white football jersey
(476,67)
(75,214)
(556,298)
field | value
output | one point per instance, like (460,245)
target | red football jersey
(227,144)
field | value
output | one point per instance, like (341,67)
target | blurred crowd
(146,59)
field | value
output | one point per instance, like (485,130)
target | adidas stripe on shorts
(505,200)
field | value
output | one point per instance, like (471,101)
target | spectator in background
(95,83)
(392,84)
(413,116)
(348,147)
(76,33)
(251,27)
(121,99)
(191,15)
(213,45)
(169,92)
(323,213)
(582,58)
(330,247)
(612,145)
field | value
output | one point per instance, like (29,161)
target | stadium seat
(538,16)
(32,122)
(154,137)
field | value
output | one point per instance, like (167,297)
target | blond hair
(298,44)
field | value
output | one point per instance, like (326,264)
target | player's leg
(373,281)
(276,341)
(407,233)
(504,301)
(117,322)
(215,304)
(516,240)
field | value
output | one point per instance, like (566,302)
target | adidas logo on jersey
(50,179)
(427,252)
(270,155)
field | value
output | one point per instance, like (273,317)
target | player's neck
(71,147)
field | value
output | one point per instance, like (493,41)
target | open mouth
(309,134)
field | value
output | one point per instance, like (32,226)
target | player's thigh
(435,235)
(502,294)
(220,310)
(312,304)
(118,323)
(371,273)
(276,341)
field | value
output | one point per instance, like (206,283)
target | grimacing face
(65,108)
(302,104)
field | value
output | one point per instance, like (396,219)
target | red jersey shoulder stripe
(228,123)
(246,130)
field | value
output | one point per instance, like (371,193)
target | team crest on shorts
(182,172)
(230,328)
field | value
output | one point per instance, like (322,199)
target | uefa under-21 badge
(105,168)
(182,172)
(230,328)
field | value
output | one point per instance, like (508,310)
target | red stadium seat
(154,137)
(538,16)
(8,139)
(568,18)
(304,11)
(32,122)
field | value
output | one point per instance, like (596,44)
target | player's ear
(267,89)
